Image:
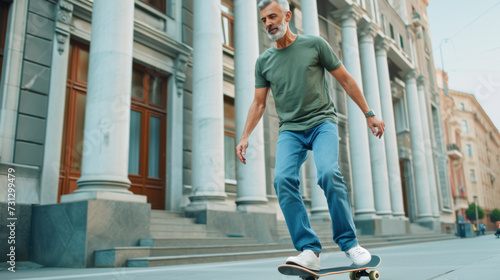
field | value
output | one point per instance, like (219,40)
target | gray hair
(285,7)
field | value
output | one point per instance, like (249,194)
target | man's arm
(352,89)
(254,114)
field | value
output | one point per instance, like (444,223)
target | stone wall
(33,98)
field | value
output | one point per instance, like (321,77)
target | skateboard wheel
(374,275)
(353,275)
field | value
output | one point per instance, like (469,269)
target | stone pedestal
(382,226)
(260,225)
(67,234)
(15,229)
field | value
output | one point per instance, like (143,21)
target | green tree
(495,215)
(471,212)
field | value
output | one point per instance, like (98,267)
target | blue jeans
(291,153)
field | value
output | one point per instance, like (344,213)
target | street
(464,259)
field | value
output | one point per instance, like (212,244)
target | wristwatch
(370,113)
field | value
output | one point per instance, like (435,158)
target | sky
(467,33)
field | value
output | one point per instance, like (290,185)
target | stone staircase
(176,240)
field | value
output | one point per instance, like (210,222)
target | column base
(251,201)
(210,198)
(320,215)
(208,205)
(255,208)
(72,232)
(103,195)
(430,223)
(380,226)
(257,222)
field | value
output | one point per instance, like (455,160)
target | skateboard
(355,271)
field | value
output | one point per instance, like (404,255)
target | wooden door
(147,149)
(74,118)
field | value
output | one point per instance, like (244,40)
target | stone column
(251,177)
(428,147)
(391,143)
(107,112)
(208,111)
(319,205)
(424,210)
(310,17)
(358,134)
(49,178)
(377,146)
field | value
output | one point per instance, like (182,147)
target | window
(473,175)
(229,138)
(401,42)
(160,5)
(382,19)
(469,150)
(375,11)
(391,29)
(4,12)
(462,106)
(227,23)
(465,126)
(401,115)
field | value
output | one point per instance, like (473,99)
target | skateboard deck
(356,272)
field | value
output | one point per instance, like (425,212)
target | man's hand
(241,150)
(373,123)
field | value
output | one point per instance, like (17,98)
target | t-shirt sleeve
(260,80)
(327,57)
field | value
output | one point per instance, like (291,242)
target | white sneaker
(359,255)
(306,259)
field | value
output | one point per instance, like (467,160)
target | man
(294,69)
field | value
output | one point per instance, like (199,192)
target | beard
(280,33)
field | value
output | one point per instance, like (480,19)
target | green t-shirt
(297,78)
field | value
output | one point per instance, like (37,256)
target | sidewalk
(458,259)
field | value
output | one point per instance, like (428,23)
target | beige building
(473,144)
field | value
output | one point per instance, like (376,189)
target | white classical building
(142,102)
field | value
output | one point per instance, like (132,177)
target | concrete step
(161,214)
(193,241)
(272,251)
(184,233)
(117,257)
(173,221)
(418,229)
(206,258)
(176,227)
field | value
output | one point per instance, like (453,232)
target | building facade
(143,102)
(473,149)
